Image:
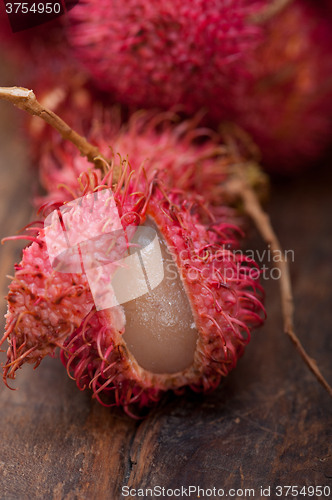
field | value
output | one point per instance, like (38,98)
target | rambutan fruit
(287,105)
(269,74)
(72,291)
(190,329)
(165,53)
(187,156)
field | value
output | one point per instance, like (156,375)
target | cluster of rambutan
(268,73)
(263,65)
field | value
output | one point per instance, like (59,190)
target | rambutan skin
(224,331)
(48,308)
(272,78)
(43,307)
(164,53)
(186,156)
(287,105)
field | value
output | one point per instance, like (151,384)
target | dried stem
(25,99)
(269,11)
(240,187)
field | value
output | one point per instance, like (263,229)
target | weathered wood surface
(268,424)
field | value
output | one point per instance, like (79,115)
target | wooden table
(268,424)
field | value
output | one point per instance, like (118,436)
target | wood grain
(268,424)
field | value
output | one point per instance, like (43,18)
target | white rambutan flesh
(160,328)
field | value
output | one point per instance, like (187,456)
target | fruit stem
(25,99)
(240,187)
(268,11)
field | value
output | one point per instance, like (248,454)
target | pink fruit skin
(272,79)
(48,308)
(223,335)
(186,156)
(42,306)
(154,53)
(287,107)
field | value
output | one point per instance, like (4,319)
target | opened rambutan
(188,326)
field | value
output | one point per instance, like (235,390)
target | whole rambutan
(287,105)
(153,53)
(270,74)
(187,156)
(188,326)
